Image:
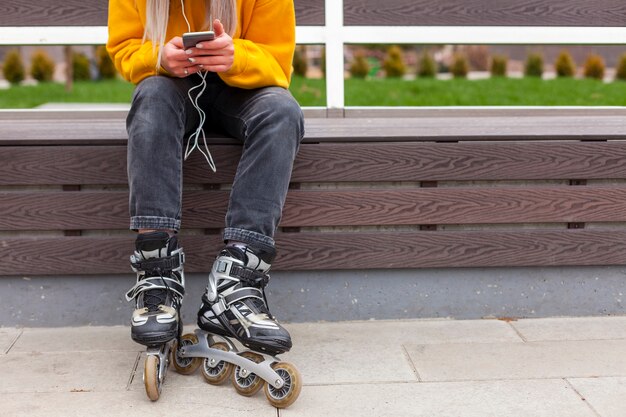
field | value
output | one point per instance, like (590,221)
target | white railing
(334,35)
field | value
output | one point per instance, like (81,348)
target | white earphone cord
(200,130)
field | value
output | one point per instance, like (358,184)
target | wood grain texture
(361,12)
(310,12)
(315,251)
(463,161)
(484,13)
(85,210)
(113,131)
(455,206)
(94,12)
(53,13)
(337,162)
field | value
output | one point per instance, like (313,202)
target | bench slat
(315,251)
(369,162)
(484,13)
(83,210)
(113,131)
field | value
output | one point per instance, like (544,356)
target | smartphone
(191,39)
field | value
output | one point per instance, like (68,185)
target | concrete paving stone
(605,395)
(65,372)
(76,339)
(372,351)
(174,402)
(422,332)
(578,328)
(7,338)
(462,362)
(538,398)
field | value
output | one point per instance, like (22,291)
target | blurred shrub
(499,64)
(13,67)
(42,66)
(360,67)
(106,68)
(300,66)
(534,65)
(427,67)
(80,67)
(460,66)
(594,67)
(620,73)
(564,65)
(394,63)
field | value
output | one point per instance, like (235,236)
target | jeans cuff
(154,222)
(249,237)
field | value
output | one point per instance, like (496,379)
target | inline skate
(158,294)
(235,306)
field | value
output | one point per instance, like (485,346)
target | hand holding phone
(191,39)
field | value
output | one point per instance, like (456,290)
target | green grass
(490,92)
(374,92)
(83,92)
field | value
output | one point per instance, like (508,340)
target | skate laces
(152,299)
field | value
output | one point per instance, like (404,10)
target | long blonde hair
(157,16)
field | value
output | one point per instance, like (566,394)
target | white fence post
(334,34)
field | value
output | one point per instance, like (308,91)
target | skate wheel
(249,384)
(220,372)
(185,366)
(288,394)
(151,377)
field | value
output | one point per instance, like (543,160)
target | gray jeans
(267,121)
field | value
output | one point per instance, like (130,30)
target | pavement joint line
(133,372)
(519,333)
(556,378)
(14,342)
(407,356)
(62,352)
(586,401)
(546,378)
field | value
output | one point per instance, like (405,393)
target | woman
(246,69)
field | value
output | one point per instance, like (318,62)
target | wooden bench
(372,188)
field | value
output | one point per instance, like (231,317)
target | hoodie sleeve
(134,59)
(264,54)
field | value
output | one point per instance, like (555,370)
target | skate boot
(158,294)
(235,302)
(235,306)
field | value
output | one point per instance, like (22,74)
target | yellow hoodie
(264,40)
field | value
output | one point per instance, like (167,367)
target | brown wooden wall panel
(94,12)
(310,12)
(484,12)
(460,161)
(206,209)
(455,206)
(314,251)
(360,12)
(53,13)
(83,165)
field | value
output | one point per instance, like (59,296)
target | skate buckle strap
(251,276)
(156,283)
(225,302)
(242,293)
(167,263)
